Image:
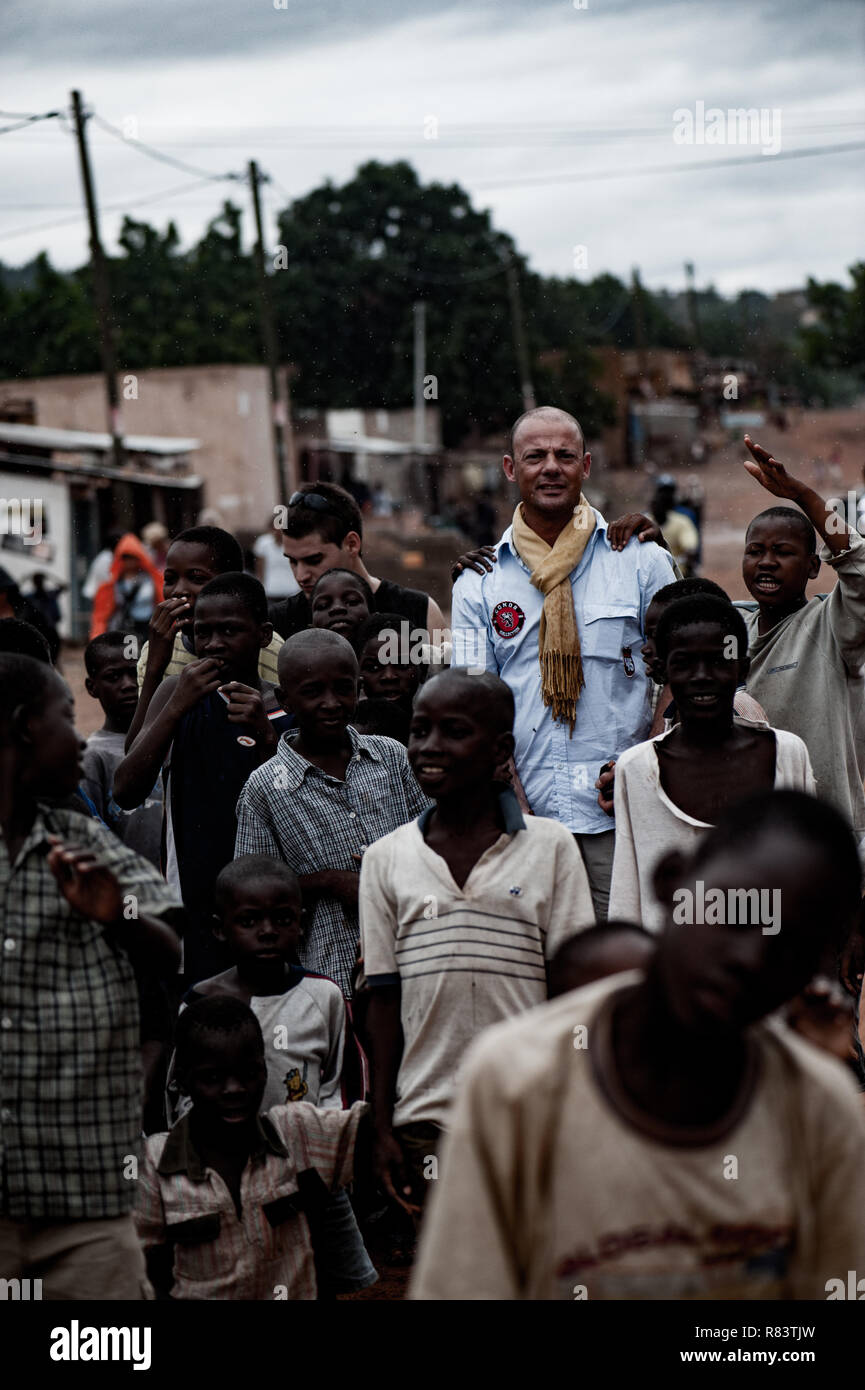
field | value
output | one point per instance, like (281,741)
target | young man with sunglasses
(322,531)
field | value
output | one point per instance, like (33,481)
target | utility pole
(268,333)
(692,305)
(526,386)
(639,320)
(102,294)
(419,372)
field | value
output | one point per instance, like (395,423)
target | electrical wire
(153,153)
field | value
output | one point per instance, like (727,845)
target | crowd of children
(295,984)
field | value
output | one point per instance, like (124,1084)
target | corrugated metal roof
(44,437)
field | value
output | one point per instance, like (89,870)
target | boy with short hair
(82,911)
(109,661)
(807,654)
(209,728)
(381,648)
(670,789)
(194,557)
(609,948)
(237,1197)
(460,911)
(340,602)
(325,796)
(594,1140)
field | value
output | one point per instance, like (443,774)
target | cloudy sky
(558,119)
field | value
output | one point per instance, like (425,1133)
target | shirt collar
(296,767)
(508,805)
(181,1156)
(508,537)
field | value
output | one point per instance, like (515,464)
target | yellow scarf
(558,640)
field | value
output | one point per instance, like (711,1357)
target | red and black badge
(508,618)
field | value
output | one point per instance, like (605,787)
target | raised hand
(245,706)
(163,628)
(197,679)
(771,474)
(88,886)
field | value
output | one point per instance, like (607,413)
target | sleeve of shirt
(625,902)
(330,1090)
(467,1249)
(415,798)
(139,881)
(571,907)
(837,1188)
(793,765)
(470,626)
(656,571)
(378,918)
(845,606)
(326,1138)
(149,1213)
(254,835)
(93,781)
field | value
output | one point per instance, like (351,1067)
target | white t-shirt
(547,1191)
(469,957)
(278,580)
(649,824)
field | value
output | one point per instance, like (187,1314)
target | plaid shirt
(70,1074)
(292,810)
(266,1250)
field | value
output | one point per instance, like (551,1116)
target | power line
(21,120)
(692,166)
(110,207)
(153,153)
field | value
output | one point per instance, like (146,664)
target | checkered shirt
(265,1251)
(293,811)
(70,1074)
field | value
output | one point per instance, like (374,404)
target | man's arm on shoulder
(470,626)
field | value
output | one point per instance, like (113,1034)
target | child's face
(340,605)
(386,680)
(322,695)
(647,651)
(722,978)
(261,921)
(189,565)
(55,748)
(225,1077)
(130,565)
(450,746)
(777,564)
(225,630)
(115,686)
(703,672)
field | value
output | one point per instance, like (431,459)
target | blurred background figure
(680,533)
(155,537)
(271,566)
(128,597)
(100,566)
(14,604)
(46,600)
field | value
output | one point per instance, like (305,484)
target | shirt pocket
(610,630)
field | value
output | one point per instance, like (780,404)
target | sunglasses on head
(313,500)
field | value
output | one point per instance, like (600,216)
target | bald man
(326,794)
(561,618)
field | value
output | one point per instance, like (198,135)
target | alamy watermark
(737,126)
(728,907)
(22,516)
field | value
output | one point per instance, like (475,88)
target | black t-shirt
(291,615)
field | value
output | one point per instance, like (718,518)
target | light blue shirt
(495,621)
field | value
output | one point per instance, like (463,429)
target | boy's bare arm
(162,631)
(135,776)
(774,477)
(384,1031)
